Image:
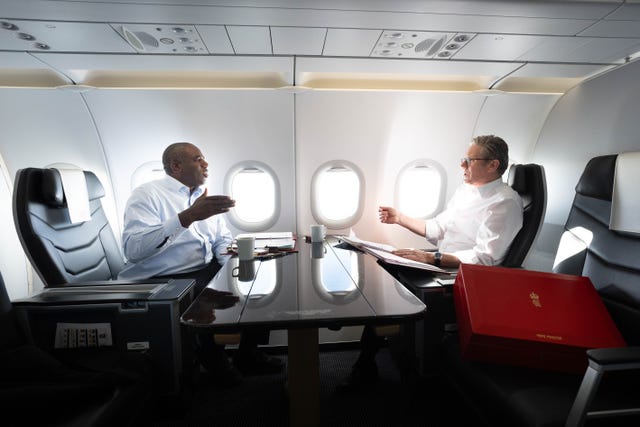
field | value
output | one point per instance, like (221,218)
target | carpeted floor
(262,400)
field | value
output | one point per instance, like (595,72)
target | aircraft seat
(506,395)
(529,181)
(37,388)
(61,251)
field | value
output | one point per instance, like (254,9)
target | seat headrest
(625,198)
(53,192)
(597,178)
(517,178)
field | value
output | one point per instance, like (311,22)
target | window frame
(234,219)
(424,162)
(315,209)
(149,167)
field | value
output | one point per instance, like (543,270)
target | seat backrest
(60,251)
(609,258)
(530,183)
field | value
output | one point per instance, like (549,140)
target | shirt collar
(485,189)
(175,185)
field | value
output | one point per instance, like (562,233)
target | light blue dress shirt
(154,241)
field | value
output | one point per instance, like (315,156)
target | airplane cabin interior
(318,113)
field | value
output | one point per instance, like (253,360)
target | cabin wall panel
(380,132)
(228,126)
(41,127)
(597,117)
(518,119)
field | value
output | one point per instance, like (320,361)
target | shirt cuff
(173,228)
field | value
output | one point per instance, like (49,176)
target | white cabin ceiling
(537,46)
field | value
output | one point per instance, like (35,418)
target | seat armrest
(615,356)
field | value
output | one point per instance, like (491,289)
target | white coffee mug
(317,233)
(246,246)
(317,250)
(245,271)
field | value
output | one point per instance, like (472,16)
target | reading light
(8,26)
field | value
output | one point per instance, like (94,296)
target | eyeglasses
(468,160)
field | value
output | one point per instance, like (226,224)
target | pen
(270,256)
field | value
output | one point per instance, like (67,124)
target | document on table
(279,240)
(404,262)
(383,251)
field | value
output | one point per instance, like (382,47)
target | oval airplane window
(419,188)
(146,172)
(337,194)
(256,190)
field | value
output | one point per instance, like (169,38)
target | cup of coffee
(318,232)
(246,246)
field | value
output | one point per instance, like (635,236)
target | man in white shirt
(477,227)
(173,229)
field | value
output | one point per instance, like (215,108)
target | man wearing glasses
(480,221)
(477,227)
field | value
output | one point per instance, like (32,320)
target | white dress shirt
(154,241)
(478,224)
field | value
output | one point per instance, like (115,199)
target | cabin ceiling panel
(558,70)
(499,47)
(297,41)
(155,38)
(348,42)
(61,37)
(606,50)
(566,18)
(629,10)
(613,29)
(248,40)
(216,39)
(530,31)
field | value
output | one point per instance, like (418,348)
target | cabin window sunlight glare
(338,193)
(572,243)
(333,271)
(254,192)
(419,191)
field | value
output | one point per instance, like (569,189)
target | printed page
(398,260)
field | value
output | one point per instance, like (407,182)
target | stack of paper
(279,240)
(383,252)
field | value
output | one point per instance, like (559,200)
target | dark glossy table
(320,286)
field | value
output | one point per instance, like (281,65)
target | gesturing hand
(204,207)
(388,215)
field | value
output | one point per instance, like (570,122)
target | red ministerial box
(529,318)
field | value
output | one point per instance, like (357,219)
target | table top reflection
(319,286)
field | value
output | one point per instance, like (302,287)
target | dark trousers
(249,339)
(401,348)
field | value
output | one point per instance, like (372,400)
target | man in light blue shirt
(174,229)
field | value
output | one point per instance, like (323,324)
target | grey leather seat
(62,252)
